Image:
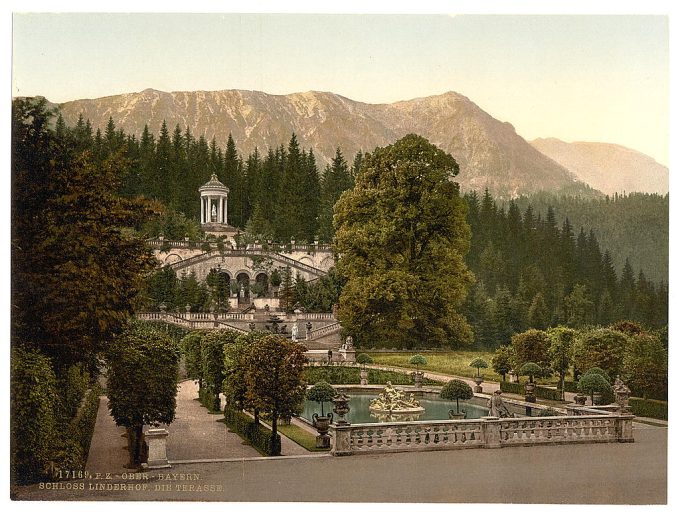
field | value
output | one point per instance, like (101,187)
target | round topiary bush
(597,370)
(418,359)
(531,369)
(479,363)
(321,392)
(591,383)
(456,390)
(363,359)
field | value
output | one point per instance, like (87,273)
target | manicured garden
(449,362)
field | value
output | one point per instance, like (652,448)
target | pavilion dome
(214,185)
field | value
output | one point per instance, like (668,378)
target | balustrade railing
(487,432)
(197,320)
(324,331)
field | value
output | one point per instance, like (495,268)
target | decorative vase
(529,396)
(580,399)
(478,387)
(456,415)
(321,423)
(597,398)
(418,379)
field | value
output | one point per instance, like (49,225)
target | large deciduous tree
(75,268)
(274,379)
(401,236)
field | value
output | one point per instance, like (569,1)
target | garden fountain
(393,405)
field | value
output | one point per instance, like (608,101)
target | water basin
(435,409)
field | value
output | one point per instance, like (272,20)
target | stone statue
(242,293)
(294,332)
(392,399)
(349,344)
(497,406)
(213,213)
(622,394)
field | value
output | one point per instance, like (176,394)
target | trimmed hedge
(571,386)
(540,392)
(653,408)
(34,425)
(72,388)
(73,452)
(259,436)
(337,375)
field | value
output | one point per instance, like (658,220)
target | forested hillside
(539,260)
(632,226)
(533,272)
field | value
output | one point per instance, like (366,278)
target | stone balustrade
(317,316)
(487,432)
(324,331)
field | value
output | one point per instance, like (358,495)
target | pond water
(435,409)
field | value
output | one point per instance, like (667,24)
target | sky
(590,78)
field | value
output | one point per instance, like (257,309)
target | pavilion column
(220,213)
(202,210)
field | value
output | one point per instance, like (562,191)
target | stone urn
(341,407)
(456,415)
(478,384)
(418,379)
(514,377)
(580,399)
(322,423)
(529,395)
(363,377)
(597,398)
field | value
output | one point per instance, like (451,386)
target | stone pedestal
(491,429)
(418,379)
(156,440)
(478,385)
(341,439)
(363,377)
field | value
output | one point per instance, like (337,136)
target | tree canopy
(76,267)
(401,236)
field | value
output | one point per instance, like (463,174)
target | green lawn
(304,438)
(449,362)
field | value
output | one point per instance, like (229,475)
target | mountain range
(608,168)
(490,153)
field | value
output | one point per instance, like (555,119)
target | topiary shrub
(597,370)
(363,359)
(531,369)
(479,363)
(142,382)
(321,392)
(417,360)
(501,362)
(591,383)
(456,390)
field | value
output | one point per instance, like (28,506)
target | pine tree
(538,316)
(336,180)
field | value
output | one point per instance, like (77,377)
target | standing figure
(497,406)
